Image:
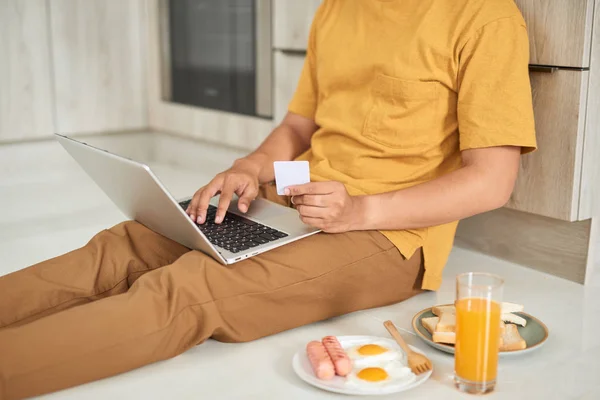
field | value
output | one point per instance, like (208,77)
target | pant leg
(171,309)
(107,265)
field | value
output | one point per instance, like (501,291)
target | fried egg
(391,373)
(374,352)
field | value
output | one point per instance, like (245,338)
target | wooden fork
(417,362)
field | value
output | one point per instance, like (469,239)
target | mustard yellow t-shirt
(399,87)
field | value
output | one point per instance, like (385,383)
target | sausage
(320,361)
(341,361)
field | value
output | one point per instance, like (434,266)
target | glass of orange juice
(478,307)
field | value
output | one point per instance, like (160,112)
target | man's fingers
(310,200)
(224,201)
(247,195)
(207,193)
(191,210)
(189,207)
(311,188)
(318,223)
(312,212)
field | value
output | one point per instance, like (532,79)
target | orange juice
(477,339)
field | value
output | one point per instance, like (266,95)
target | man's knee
(130,229)
(127,226)
(126,229)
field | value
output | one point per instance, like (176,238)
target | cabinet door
(291,21)
(589,204)
(99,74)
(288,67)
(25,82)
(560,31)
(549,179)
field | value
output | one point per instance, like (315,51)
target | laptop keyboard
(235,233)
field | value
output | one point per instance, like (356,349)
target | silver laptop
(140,196)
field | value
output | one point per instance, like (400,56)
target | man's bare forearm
(452,197)
(470,190)
(290,139)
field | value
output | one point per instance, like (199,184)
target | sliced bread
(447,323)
(430,323)
(439,310)
(513,319)
(444,337)
(511,339)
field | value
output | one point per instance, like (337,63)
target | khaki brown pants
(131,297)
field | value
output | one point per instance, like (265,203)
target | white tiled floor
(48,206)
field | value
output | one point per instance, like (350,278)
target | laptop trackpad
(261,210)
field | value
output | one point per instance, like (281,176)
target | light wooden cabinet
(562,179)
(291,23)
(589,204)
(99,73)
(549,179)
(560,31)
(25,80)
(288,66)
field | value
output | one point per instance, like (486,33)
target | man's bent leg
(171,309)
(107,265)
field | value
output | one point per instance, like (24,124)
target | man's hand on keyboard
(241,179)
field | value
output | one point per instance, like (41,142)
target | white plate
(304,370)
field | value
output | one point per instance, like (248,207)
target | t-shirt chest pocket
(402,112)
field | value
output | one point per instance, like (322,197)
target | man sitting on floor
(412,115)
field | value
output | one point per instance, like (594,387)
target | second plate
(534,333)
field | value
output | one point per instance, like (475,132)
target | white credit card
(290,173)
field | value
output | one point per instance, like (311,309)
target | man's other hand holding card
(324,205)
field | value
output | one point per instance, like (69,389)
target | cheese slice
(511,307)
(513,319)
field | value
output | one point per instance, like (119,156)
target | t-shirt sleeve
(304,101)
(494,96)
